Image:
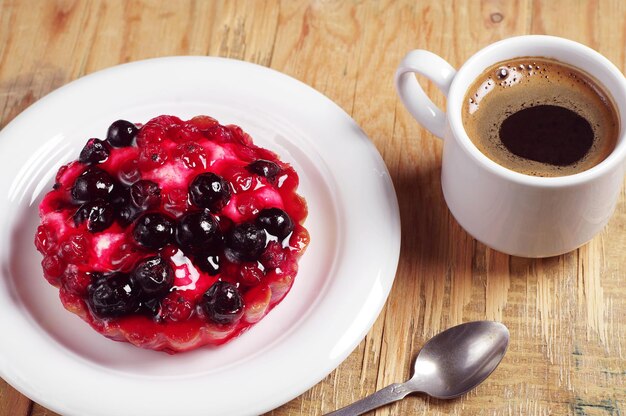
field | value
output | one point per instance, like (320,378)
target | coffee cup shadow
(432,240)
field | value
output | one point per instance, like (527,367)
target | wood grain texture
(567,314)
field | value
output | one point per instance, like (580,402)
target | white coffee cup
(514,213)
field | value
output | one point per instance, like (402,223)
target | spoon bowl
(458,359)
(449,365)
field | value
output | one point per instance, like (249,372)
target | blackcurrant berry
(245,242)
(98,214)
(154,230)
(209,190)
(112,296)
(276,222)
(265,168)
(198,231)
(222,303)
(92,184)
(121,133)
(153,277)
(95,151)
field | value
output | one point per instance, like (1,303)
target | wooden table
(567,314)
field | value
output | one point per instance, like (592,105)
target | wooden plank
(12,403)
(42,48)
(439,263)
(318,43)
(585,370)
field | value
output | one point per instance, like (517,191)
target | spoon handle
(382,397)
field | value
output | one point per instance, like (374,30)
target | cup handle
(412,94)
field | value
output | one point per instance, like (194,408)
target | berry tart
(172,235)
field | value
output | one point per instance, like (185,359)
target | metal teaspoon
(449,365)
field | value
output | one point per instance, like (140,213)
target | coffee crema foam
(509,87)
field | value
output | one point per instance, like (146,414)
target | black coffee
(540,117)
(547,134)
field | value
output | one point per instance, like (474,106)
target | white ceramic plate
(345,276)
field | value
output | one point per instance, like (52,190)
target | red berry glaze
(205,268)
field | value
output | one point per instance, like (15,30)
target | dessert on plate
(173,234)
